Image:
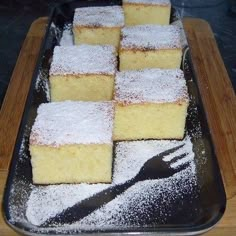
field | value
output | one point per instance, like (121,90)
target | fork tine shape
(178,157)
(182,167)
(169,151)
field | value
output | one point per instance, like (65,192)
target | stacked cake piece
(98,25)
(71,142)
(140,12)
(150,46)
(150,104)
(84,72)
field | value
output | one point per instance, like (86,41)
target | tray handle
(218,96)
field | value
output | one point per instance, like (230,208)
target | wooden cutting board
(215,88)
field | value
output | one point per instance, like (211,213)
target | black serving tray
(200,210)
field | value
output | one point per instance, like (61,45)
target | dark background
(16,17)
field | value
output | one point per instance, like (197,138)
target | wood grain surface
(218,97)
(14,102)
(215,88)
(15,98)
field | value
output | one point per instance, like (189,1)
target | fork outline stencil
(147,171)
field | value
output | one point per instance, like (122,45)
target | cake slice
(98,25)
(150,46)
(71,142)
(84,72)
(141,12)
(150,104)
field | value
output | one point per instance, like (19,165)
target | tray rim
(197,229)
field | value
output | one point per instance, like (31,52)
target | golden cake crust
(150,37)
(147,49)
(161,3)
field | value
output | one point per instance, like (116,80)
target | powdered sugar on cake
(61,123)
(84,59)
(151,37)
(149,2)
(109,16)
(150,85)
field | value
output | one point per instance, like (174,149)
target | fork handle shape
(88,205)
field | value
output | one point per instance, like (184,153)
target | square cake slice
(150,46)
(141,12)
(71,142)
(150,104)
(84,72)
(98,25)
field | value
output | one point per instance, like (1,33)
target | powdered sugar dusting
(57,198)
(138,152)
(61,123)
(151,37)
(67,36)
(84,59)
(150,85)
(42,83)
(183,39)
(149,2)
(127,208)
(109,16)
(141,201)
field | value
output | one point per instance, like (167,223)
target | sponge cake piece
(84,72)
(141,12)
(71,142)
(98,25)
(150,104)
(150,46)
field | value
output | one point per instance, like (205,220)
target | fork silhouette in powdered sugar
(154,168)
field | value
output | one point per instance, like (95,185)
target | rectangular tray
(199,211)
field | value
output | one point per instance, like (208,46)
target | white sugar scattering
(55,32)
(42,84)
(17,205)
(151,37)
(138,152)
(84,59)
(149,2)
(183,39)
(46,202)
(131,207)
(67,36)
(150,85)
(24,145)
(136,203)
(108,16)
(60,123)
